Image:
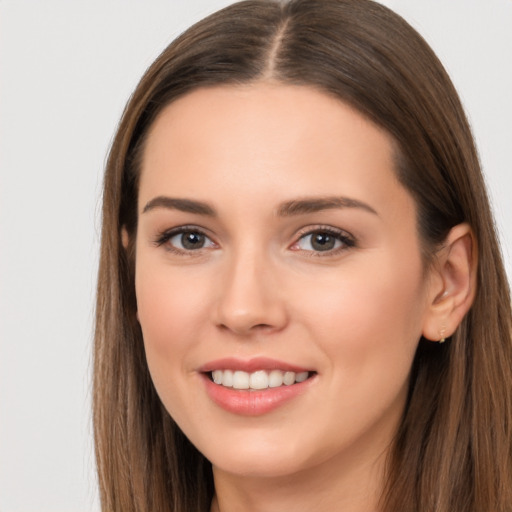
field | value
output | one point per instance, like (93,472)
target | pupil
(192,240)
(322,242)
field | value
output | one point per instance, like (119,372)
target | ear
(125,240)
(452,284)
(125,237)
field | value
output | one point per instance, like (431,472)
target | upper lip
(251,365)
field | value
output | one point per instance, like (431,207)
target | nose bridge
(249,299)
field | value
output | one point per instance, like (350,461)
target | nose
(250,299)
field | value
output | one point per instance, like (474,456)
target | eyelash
(165,236)
(347,241)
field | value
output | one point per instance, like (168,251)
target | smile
(256,386)
(258,380)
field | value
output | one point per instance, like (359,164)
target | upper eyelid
(308,230)
(182,229)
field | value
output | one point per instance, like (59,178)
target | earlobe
(125,237)
(125,241)
(453,284)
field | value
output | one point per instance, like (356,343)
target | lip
(253,402)
(251,365)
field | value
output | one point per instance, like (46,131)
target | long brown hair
(452,452)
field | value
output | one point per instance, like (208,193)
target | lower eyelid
(337,242)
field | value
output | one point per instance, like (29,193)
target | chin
(273,466)
(262,458)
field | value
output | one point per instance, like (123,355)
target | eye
(323,240)
(184,240)
(189,240)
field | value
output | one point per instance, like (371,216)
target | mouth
(258,380)
(256,386)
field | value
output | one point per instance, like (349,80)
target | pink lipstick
(256,386)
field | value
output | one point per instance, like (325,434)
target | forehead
(268,138)
(261,108)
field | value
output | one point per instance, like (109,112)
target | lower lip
(253,402)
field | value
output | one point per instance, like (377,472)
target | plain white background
(66,71)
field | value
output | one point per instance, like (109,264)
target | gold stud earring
(442,338)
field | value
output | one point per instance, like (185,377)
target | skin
(257,287)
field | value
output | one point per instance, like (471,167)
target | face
(280,287)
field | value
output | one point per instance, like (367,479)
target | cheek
(368,317)
(171,313)
(170,308)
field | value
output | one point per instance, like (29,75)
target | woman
(294,224)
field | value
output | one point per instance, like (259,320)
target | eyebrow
(316,204)
(286,209)
(183,205)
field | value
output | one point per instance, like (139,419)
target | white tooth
(227,378)
(217,376)
(301,377)
(240,380)
(275,379)
(289,378)
(258,380)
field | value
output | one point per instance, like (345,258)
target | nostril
(261,327)
(244,325)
